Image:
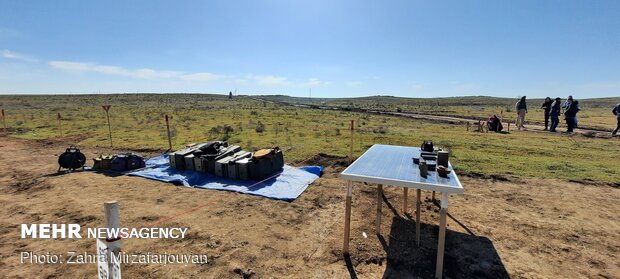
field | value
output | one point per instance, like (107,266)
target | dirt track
(521,229)
(534,127)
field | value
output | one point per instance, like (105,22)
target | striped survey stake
(107,114)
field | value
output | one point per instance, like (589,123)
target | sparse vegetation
(306,132)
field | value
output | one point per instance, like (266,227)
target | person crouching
(494,124)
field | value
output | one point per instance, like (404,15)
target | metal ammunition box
(199,163)
(220,166)
(177,158)
(243,168)
(267,166)
(233,172)
(189,162)
(208,160)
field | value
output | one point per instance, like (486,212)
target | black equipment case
(71,159)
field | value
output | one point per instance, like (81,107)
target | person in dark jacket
(616,111)
(554,114)
(494,124)
(521,107)
(571,116)
(547,107)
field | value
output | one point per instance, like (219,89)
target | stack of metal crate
(219,159)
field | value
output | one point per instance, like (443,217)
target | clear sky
(338,48)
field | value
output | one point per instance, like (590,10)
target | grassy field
(138,123)
(595,113)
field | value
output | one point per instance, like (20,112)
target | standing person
(571,116)
(547,107)
(616,111)
(521,107)
(567,103)
(554,113)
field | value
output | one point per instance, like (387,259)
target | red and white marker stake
(107,114)
(168,130)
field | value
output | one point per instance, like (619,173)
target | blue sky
(337,48)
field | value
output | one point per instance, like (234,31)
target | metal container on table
(442,158)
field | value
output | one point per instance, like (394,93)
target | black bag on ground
(72,158)
(103,162)
(127,162)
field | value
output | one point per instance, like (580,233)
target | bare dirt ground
(521,228)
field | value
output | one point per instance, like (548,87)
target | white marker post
(111,246)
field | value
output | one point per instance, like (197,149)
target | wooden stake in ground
(405,193)
(4,121)
(168,130)
(59,125)
(442,235)
(347,219)
(351,145)
(379,206)
(107,114)
(418,203)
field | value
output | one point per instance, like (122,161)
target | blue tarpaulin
(286,185)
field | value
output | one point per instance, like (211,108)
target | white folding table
(393,165)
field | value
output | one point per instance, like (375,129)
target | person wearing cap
(554,114)
(616,111)
(521,107)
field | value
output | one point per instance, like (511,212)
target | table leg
(417,216)
(405,192)
(442,234)
(379,203)
(347,218)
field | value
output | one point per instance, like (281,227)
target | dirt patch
(532,228)
(494,177)
(331,163)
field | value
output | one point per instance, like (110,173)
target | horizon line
(272,94)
